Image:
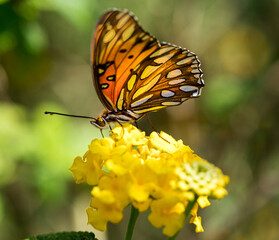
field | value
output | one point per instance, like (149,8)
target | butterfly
(134,73)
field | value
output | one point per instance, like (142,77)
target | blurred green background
(44,65)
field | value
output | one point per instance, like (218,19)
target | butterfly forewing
(118,46)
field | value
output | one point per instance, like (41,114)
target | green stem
(187,213)
(132,221)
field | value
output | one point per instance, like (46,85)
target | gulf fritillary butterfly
(134,73)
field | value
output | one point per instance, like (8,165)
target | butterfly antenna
(154,128)
(67,115)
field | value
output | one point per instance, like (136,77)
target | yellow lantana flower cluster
(153,172)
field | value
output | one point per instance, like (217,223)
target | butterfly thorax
(115,116)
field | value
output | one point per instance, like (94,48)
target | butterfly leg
(155,129)
(102,132)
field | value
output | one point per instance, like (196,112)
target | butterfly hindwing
(167,77)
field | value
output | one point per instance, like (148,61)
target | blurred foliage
(44,65)
(66,236)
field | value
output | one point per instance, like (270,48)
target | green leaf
(65,236)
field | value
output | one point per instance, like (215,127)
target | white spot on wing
(195,94)
(195,71)
(194,65)
(200,81)
(186,88)
(186,60)
(141,101)
(177,81)
(167,93)
(164,58)
(174,73)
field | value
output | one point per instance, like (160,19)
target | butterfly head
(99,122)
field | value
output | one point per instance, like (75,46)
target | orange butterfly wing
(118,46)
